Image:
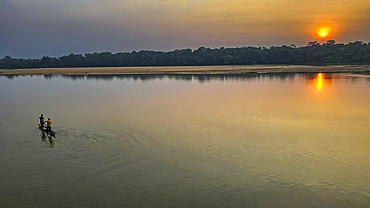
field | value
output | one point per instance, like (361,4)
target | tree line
(313,54)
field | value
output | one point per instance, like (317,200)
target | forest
(314,53)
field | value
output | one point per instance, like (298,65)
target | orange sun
(323,30)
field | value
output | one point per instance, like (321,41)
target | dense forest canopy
(312,54)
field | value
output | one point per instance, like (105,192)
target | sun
(323,30)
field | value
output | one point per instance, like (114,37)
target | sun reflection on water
(320,84)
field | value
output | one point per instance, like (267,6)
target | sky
(36,28)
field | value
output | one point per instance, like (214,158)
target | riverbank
(185,70)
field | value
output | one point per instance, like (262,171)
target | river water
(259,140)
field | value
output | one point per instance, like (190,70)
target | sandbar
(186,70)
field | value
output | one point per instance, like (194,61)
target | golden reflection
(320,84)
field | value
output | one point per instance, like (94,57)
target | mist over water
(254,140)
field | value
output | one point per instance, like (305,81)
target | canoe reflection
(47,139)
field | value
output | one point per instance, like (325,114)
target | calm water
(264,140)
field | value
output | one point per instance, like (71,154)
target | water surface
(262,140)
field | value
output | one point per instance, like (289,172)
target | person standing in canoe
(42,120)
(48,125)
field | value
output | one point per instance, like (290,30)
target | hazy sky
(36,28)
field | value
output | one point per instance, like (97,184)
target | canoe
(43,128)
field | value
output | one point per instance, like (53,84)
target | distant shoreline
(242,69)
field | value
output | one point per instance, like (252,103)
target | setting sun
(323,30)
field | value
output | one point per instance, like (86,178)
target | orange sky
(256,19)
(125,25)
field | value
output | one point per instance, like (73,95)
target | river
(256,140)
